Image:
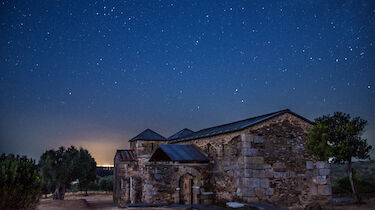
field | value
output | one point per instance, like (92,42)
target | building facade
(261,159)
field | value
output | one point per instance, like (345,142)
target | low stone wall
(266,163)
(162,182)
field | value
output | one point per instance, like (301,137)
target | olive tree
(339,137)
(20,184)
(61,167)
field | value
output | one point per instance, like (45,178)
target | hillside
(365,170)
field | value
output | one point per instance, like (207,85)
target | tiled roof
(234,126)
(149,134)
(181,133)
(178,152)
(126,155)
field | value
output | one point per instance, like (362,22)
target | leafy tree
(339,137)
(20,184)
(106,183)
(87,169)
(61,167)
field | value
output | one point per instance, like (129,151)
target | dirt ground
(101,200)
(73,201)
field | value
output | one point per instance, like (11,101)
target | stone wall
(129,175)
(266,163)
(123,170)
(162,182)
(145,147)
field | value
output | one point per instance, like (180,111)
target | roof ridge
(234,126)
(178,134)
(251,118)
(137,137)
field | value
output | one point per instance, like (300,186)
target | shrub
(363,186)
(20,184)
(106,183)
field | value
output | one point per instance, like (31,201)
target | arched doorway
(186,189)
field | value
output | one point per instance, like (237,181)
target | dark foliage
(363,186)
(20,184)
(340,137)
(61,167)
(106,183)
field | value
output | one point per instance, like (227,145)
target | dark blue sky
(96,73)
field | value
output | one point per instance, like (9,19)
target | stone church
(261,159)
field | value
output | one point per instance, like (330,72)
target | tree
(20,184)
(61,167)
(106,183)
(87,169)
(339,137)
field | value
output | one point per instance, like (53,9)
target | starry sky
(96,73)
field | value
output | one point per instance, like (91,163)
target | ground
(102,200)
(95,200)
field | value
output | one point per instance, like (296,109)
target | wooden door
(186,192)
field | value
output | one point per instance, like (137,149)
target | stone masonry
(265,163)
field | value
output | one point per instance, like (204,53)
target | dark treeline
(22,181)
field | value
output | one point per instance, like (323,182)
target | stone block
(231,167)
(148,186)
(254,160)
(324,172)
(324,190)
(260,192)
(316,172)
(251,182)
(251,199)
(313,190)
(246,144)
(279,174)
(264,183)
(321,164)
(258,173)
(248,192)
(320,180)
(309,164)
(268,173)
(258,139)
(256,166)
(249,152)
(278,165)
(248,173)
(269,191)
(239,192)
(245,137)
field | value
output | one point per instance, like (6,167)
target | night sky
(96,73)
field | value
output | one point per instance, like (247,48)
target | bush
(20,184)
(363,186)
(106,183)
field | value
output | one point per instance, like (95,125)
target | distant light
(105,165)
(368,86)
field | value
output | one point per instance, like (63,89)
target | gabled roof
(150,135)
(181,133)
(126,155)
(235,126)
(180,153)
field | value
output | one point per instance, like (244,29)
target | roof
(126,155)
(181,133)
(150,135)
(179,152)
(235,126)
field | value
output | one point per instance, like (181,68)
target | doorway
(186,189)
